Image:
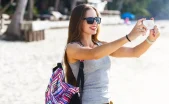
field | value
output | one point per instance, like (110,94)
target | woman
(84,45)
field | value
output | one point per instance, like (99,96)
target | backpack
(60,92)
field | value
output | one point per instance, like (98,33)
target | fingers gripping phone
(149,24)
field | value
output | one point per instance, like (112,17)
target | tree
(56,8)
(120,4)
(13,31)
(73,4)
(30,9)
(139,8)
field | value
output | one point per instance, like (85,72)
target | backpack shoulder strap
(80,77)
(59,65)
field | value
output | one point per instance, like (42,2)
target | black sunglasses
(90,20)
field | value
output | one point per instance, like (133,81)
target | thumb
(140,21)
(152,32)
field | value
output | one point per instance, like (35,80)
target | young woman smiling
(83,44)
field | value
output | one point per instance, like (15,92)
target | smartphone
(149,24)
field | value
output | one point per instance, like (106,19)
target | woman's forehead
(91,13)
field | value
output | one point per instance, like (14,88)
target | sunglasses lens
(90,20)
(98,20)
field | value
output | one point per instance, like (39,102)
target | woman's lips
(93,27)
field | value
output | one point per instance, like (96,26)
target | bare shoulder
(72,46)
(71,50)
(103,42)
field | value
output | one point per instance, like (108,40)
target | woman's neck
(87,41)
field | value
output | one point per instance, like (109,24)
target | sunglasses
(90,20)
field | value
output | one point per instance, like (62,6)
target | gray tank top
(96,82)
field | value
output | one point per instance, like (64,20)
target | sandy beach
(25,68)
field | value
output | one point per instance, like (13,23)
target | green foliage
(35,11)
(137,7)
(10,10)
(159,9)
(141,8)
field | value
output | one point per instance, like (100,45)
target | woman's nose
(95,22)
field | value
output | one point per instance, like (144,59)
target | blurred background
(35,9)
(33,35)
(60,10)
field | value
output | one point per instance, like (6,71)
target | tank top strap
(98,43)
(80,43)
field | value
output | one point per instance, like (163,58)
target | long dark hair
(75,35)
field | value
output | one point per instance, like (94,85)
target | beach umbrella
(128,15)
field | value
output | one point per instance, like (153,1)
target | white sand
(25,68)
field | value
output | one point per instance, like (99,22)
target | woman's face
(89,27)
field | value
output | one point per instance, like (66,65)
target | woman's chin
(94,32)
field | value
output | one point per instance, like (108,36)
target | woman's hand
(154,33)
(139,29)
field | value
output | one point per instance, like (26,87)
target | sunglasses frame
(92,18)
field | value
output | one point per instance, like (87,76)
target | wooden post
(1,25)
(30,36)
(33,36)
(43,31)
(37,36)
(40,33)
(26,35)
